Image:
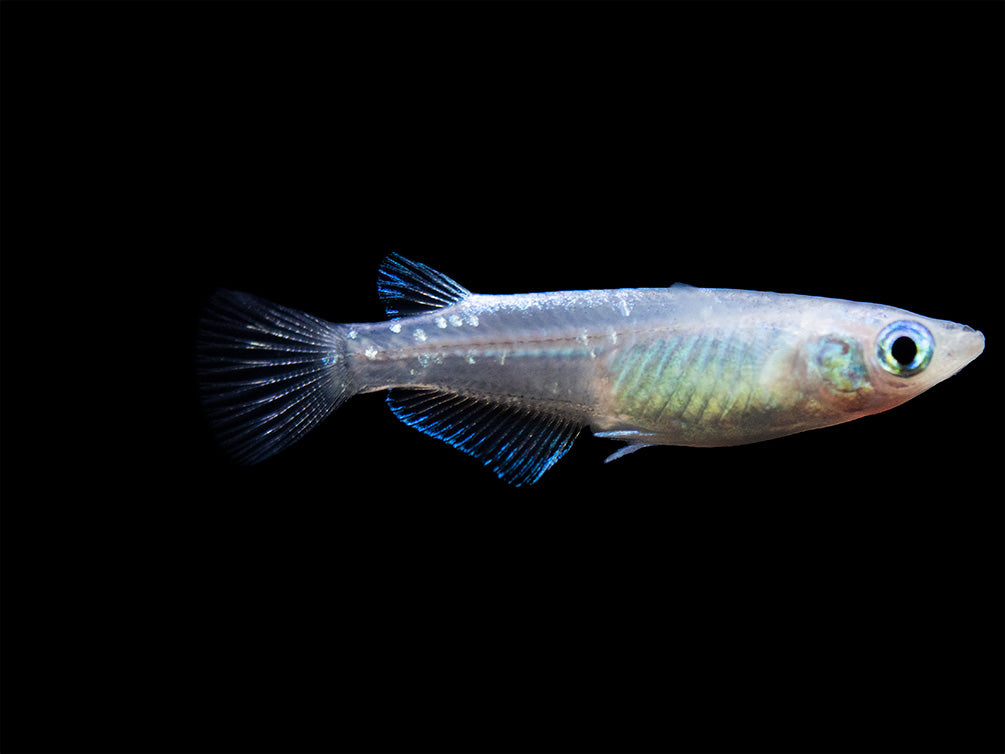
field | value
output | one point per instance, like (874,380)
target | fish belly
(707,387)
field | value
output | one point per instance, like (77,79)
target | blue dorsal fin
(517,443)
(407,287)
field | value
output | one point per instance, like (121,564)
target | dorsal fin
(518,443)
(407,287)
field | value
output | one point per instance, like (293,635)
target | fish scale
(691,376)
(512,379)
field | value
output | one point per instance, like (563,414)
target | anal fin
(518,443)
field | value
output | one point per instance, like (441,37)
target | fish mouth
(977,341)
(969,345)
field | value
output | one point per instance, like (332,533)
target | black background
(372,589)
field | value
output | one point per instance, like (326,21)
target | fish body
(512,379)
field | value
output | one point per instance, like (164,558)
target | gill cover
(841,365)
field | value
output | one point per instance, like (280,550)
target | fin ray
(407,287)
(634,439)
(517,443)
(267,373)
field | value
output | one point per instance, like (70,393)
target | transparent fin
(636,441)
(626,450)
(267,373)
(407,287)
(518,444)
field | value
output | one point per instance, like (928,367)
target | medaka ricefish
(511,380)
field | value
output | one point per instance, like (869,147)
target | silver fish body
(512,379)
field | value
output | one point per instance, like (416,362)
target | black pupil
(904,350)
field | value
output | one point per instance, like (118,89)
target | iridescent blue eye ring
(904,348)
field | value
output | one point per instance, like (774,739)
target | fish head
(873,358)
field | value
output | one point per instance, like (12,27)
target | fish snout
(964,345)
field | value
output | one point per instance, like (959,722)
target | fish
(512,380)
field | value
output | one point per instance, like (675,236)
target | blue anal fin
(408,287)
(517,443)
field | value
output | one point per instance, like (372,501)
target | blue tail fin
(268,374)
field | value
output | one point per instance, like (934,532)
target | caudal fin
(267,373)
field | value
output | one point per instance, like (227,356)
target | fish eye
(904,348)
